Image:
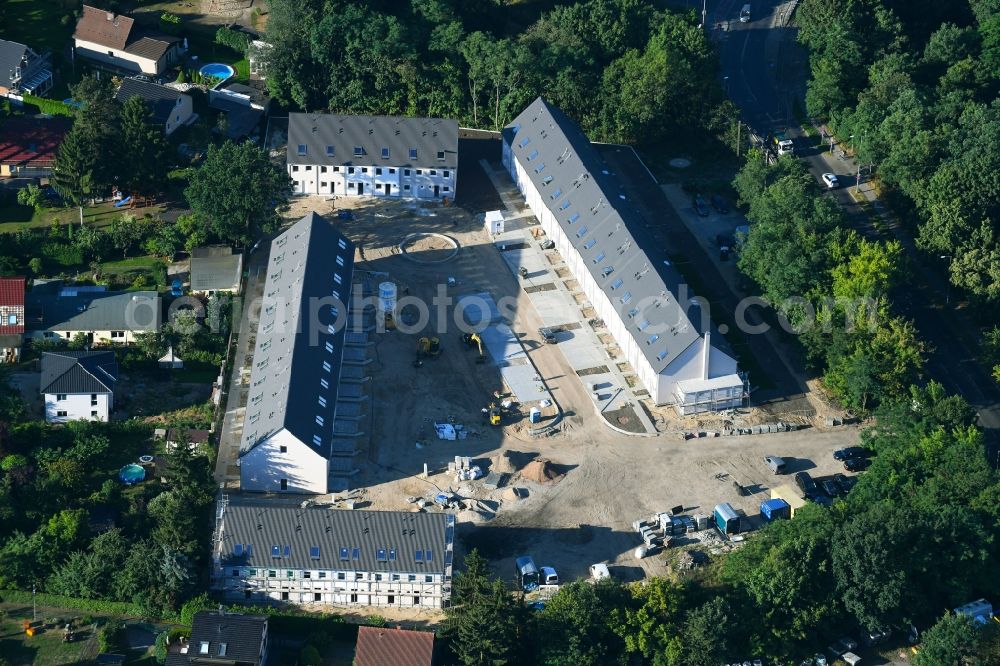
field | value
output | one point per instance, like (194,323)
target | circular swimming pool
(218,70)
(131,474)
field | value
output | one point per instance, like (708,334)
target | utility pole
(857,180)
(34,607)
(739,127)
(704,14)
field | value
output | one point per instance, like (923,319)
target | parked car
(700,205)
(547,244)
(851,452)
(830,487)
(599,571)
(848,644)
(806,484)
(831,181)
(549,576)
(845,482)
(819,660)
(775,464)
(548,335)
(856,464)
(720,204)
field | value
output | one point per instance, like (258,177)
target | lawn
(46,647)
(16,217)
(39,24)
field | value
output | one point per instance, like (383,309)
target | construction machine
(494,414)
(473,340)
(427,346)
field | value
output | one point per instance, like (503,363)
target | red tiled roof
(393,647)
(103,27)
(12,295)
(31,141)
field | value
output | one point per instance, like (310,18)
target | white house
(113,40)
(78,385)
(379,156)
(170,108)
(23,71)
(288,426)
(270,552)
(56,311)
(661,329)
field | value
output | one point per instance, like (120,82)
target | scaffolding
(696,396)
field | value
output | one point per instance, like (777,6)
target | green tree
(235,192)
(483,619)
(143,149)
(703,643)
(576,625)
(649,625)
(953,641)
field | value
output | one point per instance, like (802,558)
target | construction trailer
(726,518)
(775,509)
(790,496)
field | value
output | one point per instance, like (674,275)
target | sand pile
(540,470)
(503,463)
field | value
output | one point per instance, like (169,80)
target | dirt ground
(608,479)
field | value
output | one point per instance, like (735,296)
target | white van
(745,13)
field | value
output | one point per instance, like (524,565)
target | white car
(599,571)
(831,181)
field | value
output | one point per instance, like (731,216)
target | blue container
(775,509)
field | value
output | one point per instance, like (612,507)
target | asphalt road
(764,71)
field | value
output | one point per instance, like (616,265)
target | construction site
(518,414)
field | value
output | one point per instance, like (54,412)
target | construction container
(775,509)
(726,518)
(700,521)
(791,497)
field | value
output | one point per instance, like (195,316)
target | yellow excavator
(473,340)
(494,414)
(429,347)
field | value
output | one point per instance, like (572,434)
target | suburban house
(56,311)
(22,71)
(78,385)
(372,156)
(113,40)
(244,105)
(11,318)
(266,552)
(292,403)
(216,269)
(219,638)
(28,146)
(385,646)
(171,108)
(663,331)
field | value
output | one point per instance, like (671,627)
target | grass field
(16,217)
(47,647)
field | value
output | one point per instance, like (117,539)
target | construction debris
(540,470)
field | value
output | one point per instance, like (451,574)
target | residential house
(385,646)
(215,270)
(291,407)
(28,146)
(22,71)
(113,40)
(192,437)
(372,156)
(244,105)
(170,108)
(224,639)
(11,318)
(660,327)
(56,311)
(78,385)
(266,552)
(257,56)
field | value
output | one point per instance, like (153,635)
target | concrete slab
(531,259)
(478,308)
(555,308)
(524,382)
(502,345)
(582,349)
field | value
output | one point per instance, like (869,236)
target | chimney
(706,351)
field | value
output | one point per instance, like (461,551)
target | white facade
(372,180)
(120,58)
(123,337)
(65,407)
(181,115)
(282,463)
(333,587)
(663,385)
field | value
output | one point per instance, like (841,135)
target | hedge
(53,107)
(90,605)
(234,39)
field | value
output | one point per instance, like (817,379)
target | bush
(170,23)
(98,606)
(192,606)
(31,196)
(234,39)
(181,76)
(310,656)
(50,106)
(109,636)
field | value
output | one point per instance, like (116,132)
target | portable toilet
(535,415)
(726,518)
(775,509)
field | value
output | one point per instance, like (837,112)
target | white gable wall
(117,57)
(264,466)
(78,407)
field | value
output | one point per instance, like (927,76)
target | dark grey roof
(242,636)
(93,309)
(11,56)
(78,372)
(152,48)
(161,100)
(308,275)
(318,131)
(216,272)
(587,201)
(384,540)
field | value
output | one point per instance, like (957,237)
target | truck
(784,145)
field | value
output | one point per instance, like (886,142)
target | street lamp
(857,180)
(947,281)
